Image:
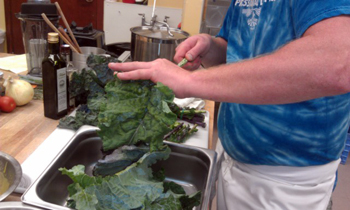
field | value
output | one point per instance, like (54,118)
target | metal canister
(79,60)
(149,43)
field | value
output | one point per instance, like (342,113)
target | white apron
(251,187)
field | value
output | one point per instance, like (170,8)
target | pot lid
(159,32)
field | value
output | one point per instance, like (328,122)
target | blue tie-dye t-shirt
(298,134)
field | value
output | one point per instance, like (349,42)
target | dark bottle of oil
(55,83)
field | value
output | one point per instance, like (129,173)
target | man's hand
(160,70)
(193,49)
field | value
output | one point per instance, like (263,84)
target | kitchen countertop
(25,129)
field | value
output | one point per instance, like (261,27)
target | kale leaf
(91,80)
(119,159)
(133,188)
(135,111)
(127,189)
(100,66)
(86,114)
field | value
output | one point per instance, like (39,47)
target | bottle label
(61,89)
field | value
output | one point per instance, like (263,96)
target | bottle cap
(52,37)
(65,49)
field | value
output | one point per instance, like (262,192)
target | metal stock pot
(149,43)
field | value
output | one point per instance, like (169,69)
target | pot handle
(112,54)
(167,27)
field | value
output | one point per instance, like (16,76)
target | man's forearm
(313,66)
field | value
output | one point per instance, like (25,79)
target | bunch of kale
(88,88)
(133,117)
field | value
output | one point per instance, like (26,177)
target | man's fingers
(129,66)
(134,70)
(196,52)
(144,74)
(193,65)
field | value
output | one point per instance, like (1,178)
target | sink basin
(192,167)
(16,205)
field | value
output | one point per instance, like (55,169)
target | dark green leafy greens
(99,64)
(91,80)
(135,111)
(133,117)
(132,188)
(97,99)
(180,132)
(86,114)
(191,115)
(119,159)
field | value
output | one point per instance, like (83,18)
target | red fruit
(7,104)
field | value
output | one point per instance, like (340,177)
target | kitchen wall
(192,15)
(2,24)
(2,15)
(167,3)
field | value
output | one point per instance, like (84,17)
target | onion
(21,91)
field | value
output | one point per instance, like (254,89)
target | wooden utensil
(71,44)
(68,27)
(65,34)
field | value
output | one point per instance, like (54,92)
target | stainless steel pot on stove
(151,42)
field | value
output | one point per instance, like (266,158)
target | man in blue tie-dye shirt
(282,72)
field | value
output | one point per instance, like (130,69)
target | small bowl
(12,171)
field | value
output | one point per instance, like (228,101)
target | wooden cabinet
(83,12)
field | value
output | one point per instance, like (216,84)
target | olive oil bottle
(55,84)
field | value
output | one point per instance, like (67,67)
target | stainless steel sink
(16,205)
(191,167)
